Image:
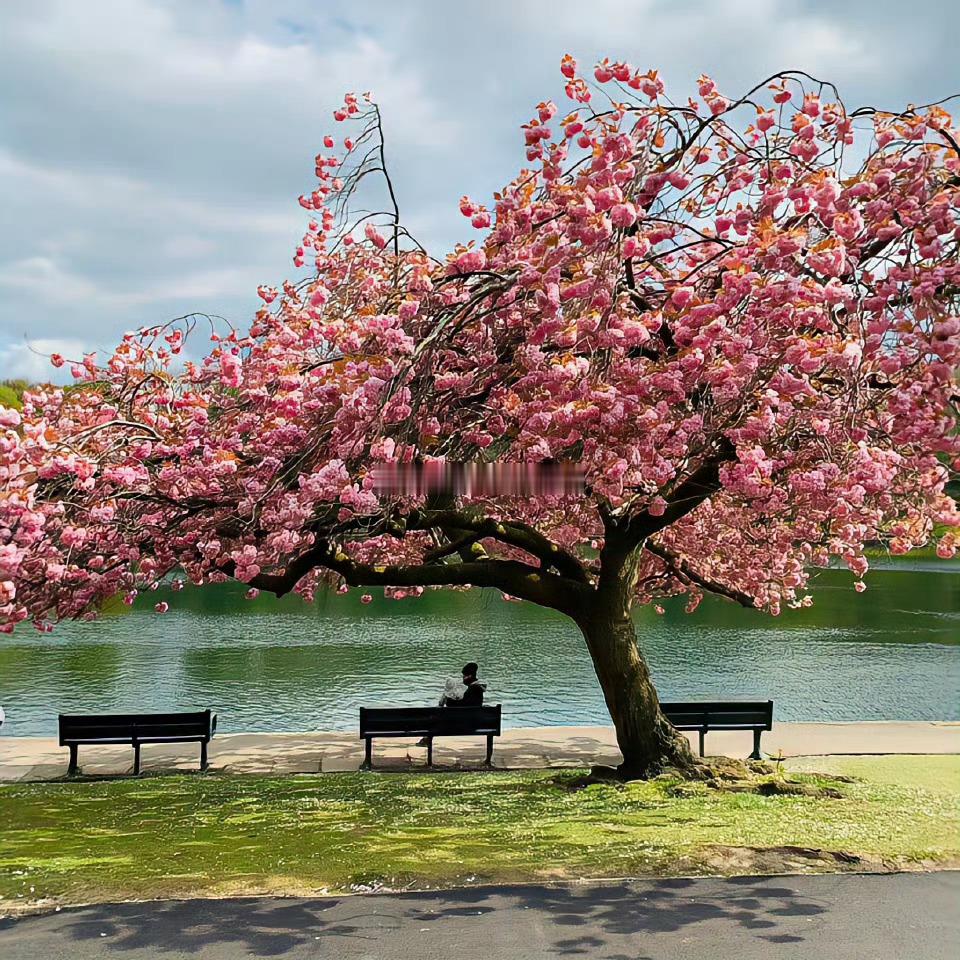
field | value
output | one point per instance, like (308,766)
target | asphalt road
(840,917)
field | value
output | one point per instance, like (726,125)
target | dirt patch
(734,861)
(787,859)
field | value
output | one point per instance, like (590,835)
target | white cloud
(187,246)
(30,359)
(45,281)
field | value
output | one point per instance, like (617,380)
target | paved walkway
(37,758)
(909,916)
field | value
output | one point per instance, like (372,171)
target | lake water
(892,653)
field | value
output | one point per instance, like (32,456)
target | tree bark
(647,740)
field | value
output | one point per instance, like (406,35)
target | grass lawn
(209,835)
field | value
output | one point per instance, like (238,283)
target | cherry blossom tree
(739,317)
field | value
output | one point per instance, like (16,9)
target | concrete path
(38,758)
(845,917)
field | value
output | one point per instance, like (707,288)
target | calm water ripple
(892,653)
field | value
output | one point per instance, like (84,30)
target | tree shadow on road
(598,920)
(624,915)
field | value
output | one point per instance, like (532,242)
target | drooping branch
(683,569)
(510,576)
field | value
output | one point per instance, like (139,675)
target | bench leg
(73,769)
(203,755)
(489,761)
(756,746)
(136,759)
(702,735)
(367,754)
(429,751)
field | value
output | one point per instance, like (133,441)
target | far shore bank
(42,758)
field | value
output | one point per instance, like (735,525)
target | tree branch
(509,576)
(512,532)
(685,571)
(701,484)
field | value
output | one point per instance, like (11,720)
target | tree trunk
(647,740)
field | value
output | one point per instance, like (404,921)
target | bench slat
(120,718)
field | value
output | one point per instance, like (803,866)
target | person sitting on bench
(467,692)
(474,689)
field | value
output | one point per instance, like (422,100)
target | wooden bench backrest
(129,725)
(429,721)
(720,713)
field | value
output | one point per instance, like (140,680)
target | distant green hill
(11,393)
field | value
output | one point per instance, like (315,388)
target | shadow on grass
(595,920)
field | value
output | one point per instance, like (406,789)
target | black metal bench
(429,722)
(135,729)
(755,715)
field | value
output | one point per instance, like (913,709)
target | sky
(152,151)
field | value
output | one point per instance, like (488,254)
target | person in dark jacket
(473,695)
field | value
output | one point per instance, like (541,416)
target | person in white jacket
(453,691)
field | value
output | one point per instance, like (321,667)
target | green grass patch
(210,835)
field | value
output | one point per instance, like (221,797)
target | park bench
(429,722)
(136,729)
(755,715)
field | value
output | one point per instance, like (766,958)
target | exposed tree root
(716,773)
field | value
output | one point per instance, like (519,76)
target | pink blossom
(623,215)
(681,296)
(603,72)
(162,606)
(267,294)
(546,111)
(231,370)
(374,236)
(471,260)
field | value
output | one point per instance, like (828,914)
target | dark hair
(470,670)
